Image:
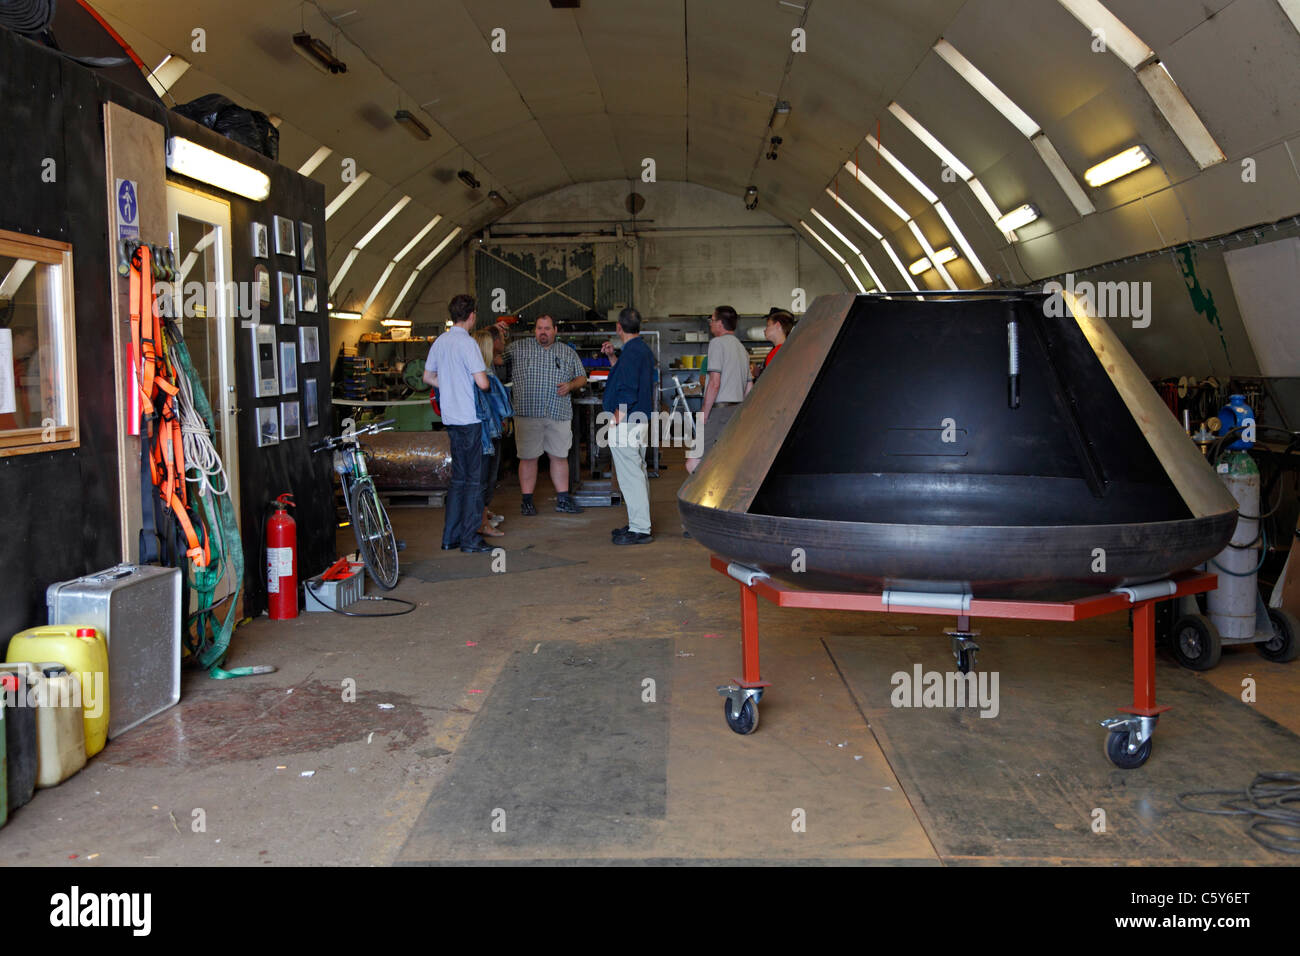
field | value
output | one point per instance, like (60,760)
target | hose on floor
(1273,798)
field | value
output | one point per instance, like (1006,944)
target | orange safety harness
(160,426)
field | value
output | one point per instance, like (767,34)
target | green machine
(414,417)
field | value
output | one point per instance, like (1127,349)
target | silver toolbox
(138,610)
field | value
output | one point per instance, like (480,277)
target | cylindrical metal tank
(1004,445)
(409,461)
(1232,605)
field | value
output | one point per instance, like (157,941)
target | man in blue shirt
(630,399)
(455,367)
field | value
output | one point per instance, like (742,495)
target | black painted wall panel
(60,510)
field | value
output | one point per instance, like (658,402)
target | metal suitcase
(138,610)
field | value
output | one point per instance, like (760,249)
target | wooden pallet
(412,499)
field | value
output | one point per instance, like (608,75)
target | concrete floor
(512,718)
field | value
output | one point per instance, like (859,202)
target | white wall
(718,252)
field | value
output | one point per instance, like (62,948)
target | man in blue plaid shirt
(545,374)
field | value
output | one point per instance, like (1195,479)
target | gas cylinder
(1232,605)
(282,561)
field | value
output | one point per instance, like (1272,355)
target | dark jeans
(491,466)
(464,504)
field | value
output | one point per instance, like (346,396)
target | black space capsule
(1003,445)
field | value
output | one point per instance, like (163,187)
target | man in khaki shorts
(729,381)
(545,373)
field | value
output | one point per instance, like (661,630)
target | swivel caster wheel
(965,661)
(1285,645)
(747,721)
(1118,752)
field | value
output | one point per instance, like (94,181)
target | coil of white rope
(200,454)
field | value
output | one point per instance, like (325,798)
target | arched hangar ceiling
(911,124)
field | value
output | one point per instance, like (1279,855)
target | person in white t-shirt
(729,381)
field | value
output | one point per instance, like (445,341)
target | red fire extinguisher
(282,561)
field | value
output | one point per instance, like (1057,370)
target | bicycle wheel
(374,534)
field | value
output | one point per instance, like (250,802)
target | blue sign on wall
(128,210)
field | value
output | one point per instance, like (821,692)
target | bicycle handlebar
(334,441)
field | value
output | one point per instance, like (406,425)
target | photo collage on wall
(296,303)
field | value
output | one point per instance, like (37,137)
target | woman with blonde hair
(493,409)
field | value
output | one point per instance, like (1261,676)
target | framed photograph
(266,383)
(288,367)
(284,244)
(306,294)
(288,299)
(309,339)
(290,420)
(261,246)
(311,401)
(268,427)
(262,280)
(308,247)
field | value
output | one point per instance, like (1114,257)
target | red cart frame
(1130,739)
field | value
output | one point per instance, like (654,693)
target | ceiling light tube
(1069,185)
(396,323)
(880,194)
(1292,9)
(405,289)
(343,270)
(826,245)
(198,162)
(843,238)
(938,258)
(961,241)
(408,121)
(986,88)
(880,286)
(439,247)
(1119,165)
(898,264)
(17,276)
(989,205)
(902,170)
(387,218)
(921,265)
(349,316)
(418,236)
(1020,216)
(936,147)
(348,192)
(165,74)
(875,233)
(316,158)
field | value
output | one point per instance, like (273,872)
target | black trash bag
(247,127)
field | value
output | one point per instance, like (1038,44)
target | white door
(199,233)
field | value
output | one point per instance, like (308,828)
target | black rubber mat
(455,566)
(1030,781)
(565,752)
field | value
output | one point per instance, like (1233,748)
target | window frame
(50,252)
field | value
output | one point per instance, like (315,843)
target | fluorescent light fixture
(871,272)
(408,121)
(987,88)
(880,194)
(1178,112)
(348,192)
(780,116)
(902,170)
(1064,178)
(1120,40)
(396,323)
(439,247)
(961,241)
(387,218)
(198,162)
(987,202)
(343,269)
(374,293)
(843,238)
(1022,215)
(919,266)
(316,158)
(875,233)
(165,74)
(1121,164)
(349,316)
(936,147)
(947,254)
(898,264)
(418,236)
(826,245)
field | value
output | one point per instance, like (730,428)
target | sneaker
(527,508)
(495,519)
(633,537)
(621,529)
(568,506)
